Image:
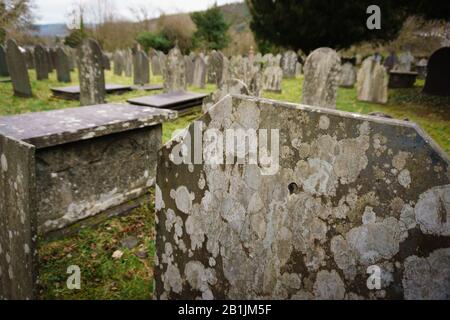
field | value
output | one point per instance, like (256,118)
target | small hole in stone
(293,188)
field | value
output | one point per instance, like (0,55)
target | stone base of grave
(399,79)
(73,92)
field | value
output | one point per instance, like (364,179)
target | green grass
(131,276)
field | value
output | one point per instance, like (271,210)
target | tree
(156,41)
(15,16)
(309,24)
(211,29)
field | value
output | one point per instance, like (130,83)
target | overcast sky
(56,11)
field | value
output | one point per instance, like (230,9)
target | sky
(57,11)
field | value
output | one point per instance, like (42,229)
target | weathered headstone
(189,67)
(405,61)
(62,66)
(199,71)
(331,201)
(421,68)
(175,72)
(391,61)
(41,62)
(372,82)
(288,64)
(51,67)
(298,69)
(347,78)
(231,86)
(156,66)
(141,68)
(402,79)
(91,73)
(438,73)
(272,77)
(321,75)
(118,63)
(3,65)
(217,68)
(128,63)
(29,57)
(106,62)
(17,67)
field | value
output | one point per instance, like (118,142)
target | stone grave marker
(141,68)
(231,86)
(299,216)
(41,62)
(175,72)
(199,71)
(321,76)
(405,60)
(272,78)
(438,73)
(106,62)
(372,82)
(217,68)
(189,67)
(17,67)
(347,77)
(3,65)
(62,66)
(91,73)
(156,66)
(288,64)
(118,63)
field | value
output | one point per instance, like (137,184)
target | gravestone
(41,62)
(189,67)
(62,66)
(17,67)
(217,68)
(231,86)
(372,82)
(405,61)
(3,65)
(272,77)
(298,69)
(321,76)
(128,63)
(402,79)
(29,57)
(174,72)
(118,63)
(288,64)
(421,68)
(141,68)
(156,66)
(199,72)
(303,218)
(348,75)
(106,62)
(90,72)
(51,67)
(391,61)
(438,73)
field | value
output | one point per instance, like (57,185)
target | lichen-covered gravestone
(189,67)
(91,73)
(17,68)
(372,82)
(156,67)
(325,205)
(348,75)
(272,76)
(62,66)
(438,73)
(321,76)
(118,63)
(41,62)
(175,72)
(141,68)
(3,66)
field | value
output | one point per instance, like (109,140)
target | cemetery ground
(116,257)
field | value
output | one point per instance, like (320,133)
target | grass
(131,275)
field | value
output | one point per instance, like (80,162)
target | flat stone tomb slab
(60,168)
(176,100)
(73,92)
